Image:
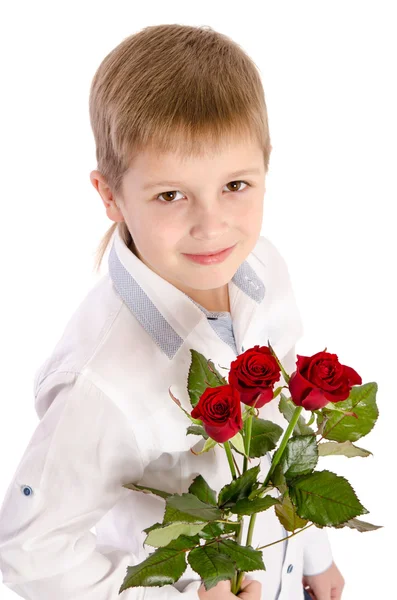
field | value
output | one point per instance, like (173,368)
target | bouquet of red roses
(205,527)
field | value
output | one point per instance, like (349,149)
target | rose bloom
(219,409)
(320,379)
(254,374)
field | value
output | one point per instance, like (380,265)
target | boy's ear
(100,184)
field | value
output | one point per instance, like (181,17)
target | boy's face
(203,206)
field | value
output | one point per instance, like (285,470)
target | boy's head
(184,105)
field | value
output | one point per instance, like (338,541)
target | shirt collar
(165,312)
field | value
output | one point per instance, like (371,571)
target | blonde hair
(176,88)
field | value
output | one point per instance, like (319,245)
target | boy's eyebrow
(151,184)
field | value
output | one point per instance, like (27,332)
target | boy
(182,144)
(187,91)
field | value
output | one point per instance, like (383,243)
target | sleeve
(70,475)
(317,552)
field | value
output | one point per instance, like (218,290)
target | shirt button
(290,567)
(27,490)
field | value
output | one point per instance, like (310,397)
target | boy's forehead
(234,154)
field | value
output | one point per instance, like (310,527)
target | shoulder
(102,342)
(84,332)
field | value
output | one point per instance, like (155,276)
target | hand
(325,586)
(250,590)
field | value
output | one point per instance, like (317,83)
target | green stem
(239,580)
(285,538)
(275,461)
(287,434)
(247,442)
(216,540)
(250,533)
(239,575)
(224,521)
(236,465)
(236,580)
(234,475)
(230,459)
(285,374)
(240,531)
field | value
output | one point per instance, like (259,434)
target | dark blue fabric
(307,595)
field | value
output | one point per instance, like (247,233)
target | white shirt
(106,419)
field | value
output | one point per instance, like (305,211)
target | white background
(329,74)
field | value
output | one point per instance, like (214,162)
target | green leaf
(200,488)
(312,418)
(238,443)
(230,527)
(361,401)
(257,489)
(238,488)
(246,412)
(244,557)
(287,409)
(264,437)
(287,515)
(300,456)
(197,430)
(361,526)
(250,507)
(192,506)
(211,565)
(209,444)
(341,448)
(146,490)
(278,478)
(213,530)
(325,498)
(164,566)
(178,403)
(283,371)
(277,391)
(154,526)
(199,373)
(172,514)
(162,536)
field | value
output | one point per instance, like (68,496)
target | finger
(246,580)
(252,589)
(336,594)
(322,592)
(221,586)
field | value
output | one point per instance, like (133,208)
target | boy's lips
(210,253)
(209,259)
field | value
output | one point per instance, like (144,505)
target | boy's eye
(170,200)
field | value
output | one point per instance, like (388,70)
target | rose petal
(314,400)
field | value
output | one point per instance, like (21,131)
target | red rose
(219,409)
(254,374)
(320,379)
